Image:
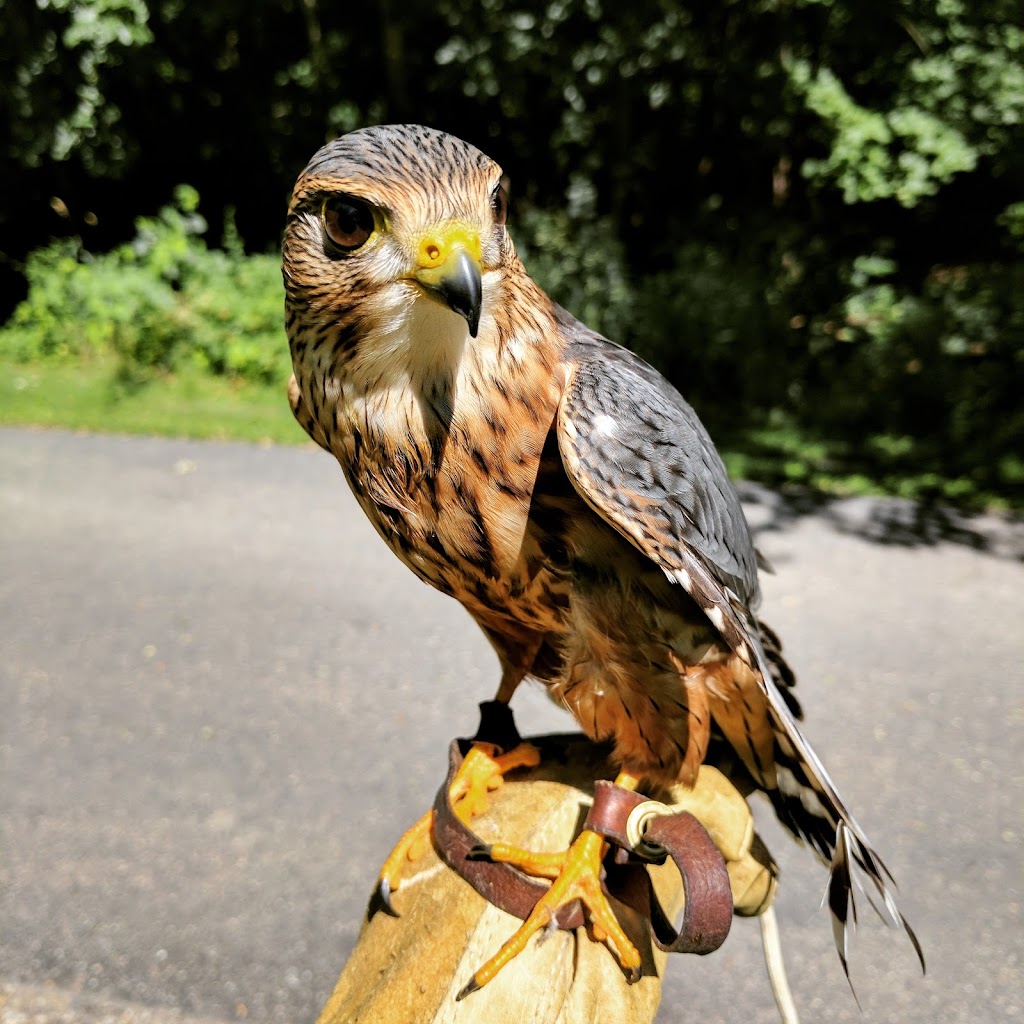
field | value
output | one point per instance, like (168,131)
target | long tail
(809,804)
(805,800)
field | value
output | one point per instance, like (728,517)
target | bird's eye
(348,222)
(499,202)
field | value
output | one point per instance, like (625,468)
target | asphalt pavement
(222,699)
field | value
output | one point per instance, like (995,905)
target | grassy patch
(89,395)
(190,403)
(163,335)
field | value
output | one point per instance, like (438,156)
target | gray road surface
(221,699)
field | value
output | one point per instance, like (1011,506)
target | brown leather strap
(677,835)
(707,914)
(501,884)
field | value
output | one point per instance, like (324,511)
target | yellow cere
(435,247)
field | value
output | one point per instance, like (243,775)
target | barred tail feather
(850,850)
(840,898)
(852,857)
(806,799)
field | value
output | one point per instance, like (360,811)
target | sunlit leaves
(903,154)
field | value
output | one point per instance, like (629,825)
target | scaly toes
(480,773)
(409,847)
(576,874)
(539,865)
(526,755)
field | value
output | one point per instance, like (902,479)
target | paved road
(221,698)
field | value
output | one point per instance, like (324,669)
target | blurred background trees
(808,213)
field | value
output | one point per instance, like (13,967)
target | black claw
(381,899)
(482,851)
(634,974)
(468,990)
(548,930)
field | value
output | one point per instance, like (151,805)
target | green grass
(87,396)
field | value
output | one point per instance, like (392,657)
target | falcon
(553,483)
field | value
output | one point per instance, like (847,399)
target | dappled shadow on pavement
(886,520)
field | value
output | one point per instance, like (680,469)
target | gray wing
(639,456)
(638,453)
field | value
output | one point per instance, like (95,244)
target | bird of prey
(552,482)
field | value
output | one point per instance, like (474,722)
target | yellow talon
(480,773)
(575,874)
(409,847)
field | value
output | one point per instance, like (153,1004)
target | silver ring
(638,820)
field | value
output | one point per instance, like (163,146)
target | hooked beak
(448,268)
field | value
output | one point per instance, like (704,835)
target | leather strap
(501,884)
(676,835)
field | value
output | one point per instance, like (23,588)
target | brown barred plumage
(552,482)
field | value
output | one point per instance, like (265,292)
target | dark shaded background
(809,215)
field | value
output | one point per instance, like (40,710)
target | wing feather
(639,456)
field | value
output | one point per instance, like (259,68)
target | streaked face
(386,216)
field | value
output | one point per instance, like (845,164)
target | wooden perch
(408,970)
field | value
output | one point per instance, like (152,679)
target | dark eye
(499,202)
(347,221)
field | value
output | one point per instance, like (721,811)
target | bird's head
(389,218)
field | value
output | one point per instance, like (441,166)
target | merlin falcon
(553,483)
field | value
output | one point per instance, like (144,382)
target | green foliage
(696,317)
(809,213)
(235,315)
(578,259)
(934,372)
(153,302)
(61,53)
(903,154)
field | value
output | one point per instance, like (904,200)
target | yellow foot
(411,846)
(575,874)
(481,772)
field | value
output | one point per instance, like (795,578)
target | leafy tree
(814,208)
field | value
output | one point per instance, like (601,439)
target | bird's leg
(575,874)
